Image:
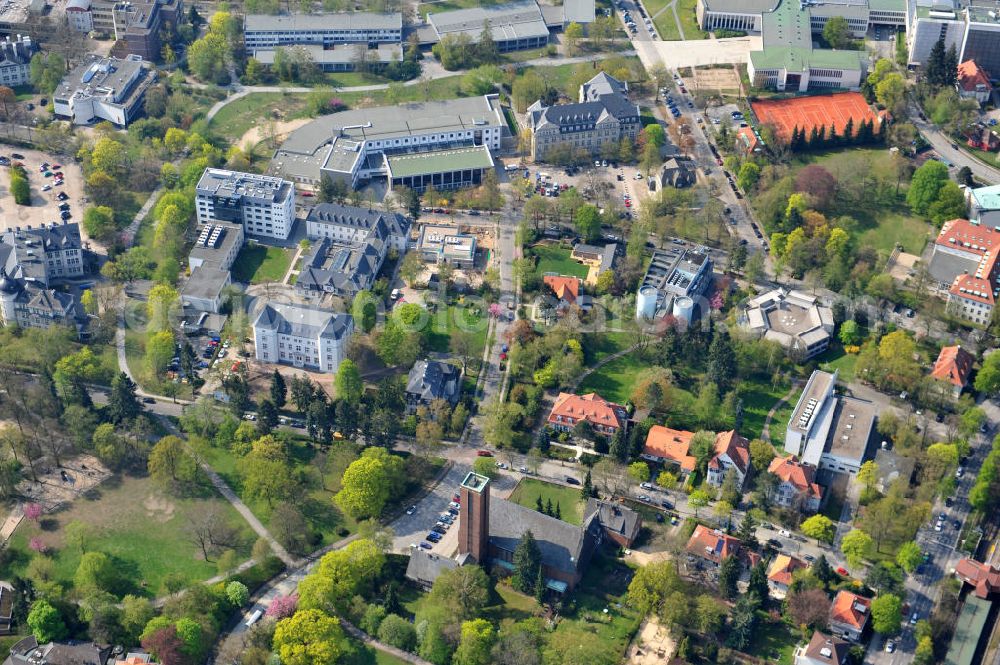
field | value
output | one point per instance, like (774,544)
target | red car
(484,453)
(503,356)
(457,498)
(56,166)
(307,194)
(843,571)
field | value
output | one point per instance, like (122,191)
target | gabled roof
(602,84)
(971,78)
(566,288)
(431,379)
(592,407)
(736,447)
(711,544)
(781,569)
(850,609)
(954,364)
(563,546)
(982,576)
(614,517)
(825,648)
(670,444)
(801,476)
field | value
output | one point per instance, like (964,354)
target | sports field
(813,111)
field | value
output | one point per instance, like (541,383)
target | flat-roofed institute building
(828,431)
(796,320)
(302,336)
(104,89)
(265,31)
(210,259)
(264,205)
(675,278)
(513,26)
(984,204)
(443,244)
(340,58)
(360,145)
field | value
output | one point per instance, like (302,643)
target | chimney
(474,518)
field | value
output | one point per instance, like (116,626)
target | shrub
(398,632)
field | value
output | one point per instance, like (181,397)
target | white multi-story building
(104,89)
(796,320)
(43,254)
(347,225)
(264,205)
(446,144)
(301,336)
(15,60)
(265,31)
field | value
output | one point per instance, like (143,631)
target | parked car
(572,481)
(411,510)
(425,545)
(484,453)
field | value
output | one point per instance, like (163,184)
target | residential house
(431,380)
(678,172)
(29,652)
(713,545)
(982,577)
(598,259)
(604,417)
(567,291)
(779,574)
(849,615)
(424,567)
(669,446)
(621,524)
(954,366)
(973,82)
(732,456)
(823,649)
(797,486)
(748,141)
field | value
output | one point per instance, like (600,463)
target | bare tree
(610,476)
(211,532)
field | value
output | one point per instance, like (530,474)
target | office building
(341,58)
(447,144)
(827,431)
(748,15)
(927,22)
(797,321)
(445,244)
(351,224)
(302,337)
(267,31)
(602,115)
(676,278)
(513,26)
(217,246)
(43,255)
(79,16)
(99,89)
(15,60)
(264,205)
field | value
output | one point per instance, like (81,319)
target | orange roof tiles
(971,76)
(781,569)
(565,288)
(850,609)
(712,544)
(966,236)
(670,444)
(590,407)
(985,578)
(736,447)
(954,364)
(799,475)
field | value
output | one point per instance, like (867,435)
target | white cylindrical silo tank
(645,303)
(683,308)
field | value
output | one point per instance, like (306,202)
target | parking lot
(608,185)
(44,208)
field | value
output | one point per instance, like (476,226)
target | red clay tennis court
(814,111)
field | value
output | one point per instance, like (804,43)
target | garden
(532,493)
(259,264)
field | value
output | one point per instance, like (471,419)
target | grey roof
(514,20)
(17,52)
(235,184)
(579,11)
(359,218)
(228,234)
(206,283)
(55,304)
(425,567)
(583,113)
(340,54)
(97,74)
(600,85)
(82,5)
(23,250)
(945,267)
(741,6)
(313,22)
(346,269)
(613,517)
(431,379)
(301,321)
(893,467)
(58,653)
(563,546)
(679,271)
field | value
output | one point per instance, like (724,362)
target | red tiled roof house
(984,578)
(732,455)
(797,487)
(849,615)
(604,417)
(669,446)
(779,574)
(953,366)
(973,83)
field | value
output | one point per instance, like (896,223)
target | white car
(501,465)
(410,511)
(638,176)
(784,533)
(46,188)
(646,486)
(939,526)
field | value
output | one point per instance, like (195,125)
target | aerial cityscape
(514,332)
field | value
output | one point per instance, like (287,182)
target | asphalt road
(942,144)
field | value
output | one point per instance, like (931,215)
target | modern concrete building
(827,431)
(104,89)
(210,260)
(79,16)
(264,205)
(602,115)
(796,320)
(140,26)
(444,244)
(930,20)
(340,58)
(302,336)
(15,60)
(674,274)
(447,144)
(747,15)
(513,26)
(267,31)
(984,206)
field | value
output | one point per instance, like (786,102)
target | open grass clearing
(615,380)
(567,498)
(556,259)
(834,359)
(140,526)
(452,320)
(666,25)
(258,264)
(598,346)
(774,641)
(686,12)
(235,118)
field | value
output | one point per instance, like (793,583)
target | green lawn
(258,264)
(449,5)
(615,380)
(881,226)
(781,417)
(834,358)
(234,119)
(773,641)
(556,259)
(447,322)
(666,25)
(570,502)
(597,346)
(136,523)
(689,19)
(758,398)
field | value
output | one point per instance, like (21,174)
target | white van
(254,618)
